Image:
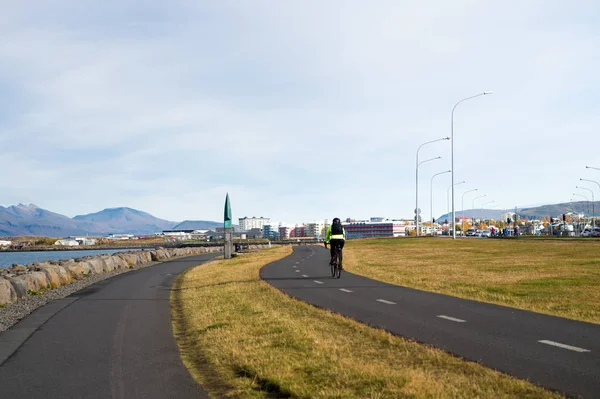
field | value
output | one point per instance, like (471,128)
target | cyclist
(335,235)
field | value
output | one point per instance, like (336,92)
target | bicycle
(336,267)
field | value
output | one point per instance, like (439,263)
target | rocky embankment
(22,283)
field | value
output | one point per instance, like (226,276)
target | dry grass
(555,277)
(241,337)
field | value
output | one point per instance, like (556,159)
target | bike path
(112,339)
(554,352)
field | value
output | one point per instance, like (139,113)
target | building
(368,229)
(68,242)
(85,240)
(298,231)
(5,243)
(271,231)
(120,236)
(285,232)
(316,230)
(247,223)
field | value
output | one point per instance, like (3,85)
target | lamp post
(593,200)
(586,199)
(463,210)
(452,153)
(473,203)
(431,195)
(593,210)
(417,178)
(591,167)
(484,204)
(448,195)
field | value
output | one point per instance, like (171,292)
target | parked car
(596,232)
(486,233)
(587,232)
(471,232)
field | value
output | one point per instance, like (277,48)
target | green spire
(227,213)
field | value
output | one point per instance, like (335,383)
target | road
(553,352)
(111,340)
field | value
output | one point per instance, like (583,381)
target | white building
(120,236)
(85,240)
(247,223)
(68,242)
(315,229)
(5,243)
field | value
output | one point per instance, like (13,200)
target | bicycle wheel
(338,264)
(333,266)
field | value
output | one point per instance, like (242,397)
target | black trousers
(333,243)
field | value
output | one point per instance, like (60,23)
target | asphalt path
(557,353)
(112,339)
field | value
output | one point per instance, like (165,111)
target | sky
(300,110)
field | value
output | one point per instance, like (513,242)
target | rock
(51,276)
(145,256)
(109,263)
(19,285)
(120,262)
(129,257)
(7,292)
(34,281)
(63,275)
(79,271)
(17,268)
(98,266)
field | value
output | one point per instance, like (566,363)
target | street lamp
(417,179)
(473,203)
(587,201)
(463,211)
(591,167)
(484,204)
(452,153)
(431,195)
(598,184)
(593,200)
(448,195)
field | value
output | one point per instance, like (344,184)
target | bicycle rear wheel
(333,266)
(338,264)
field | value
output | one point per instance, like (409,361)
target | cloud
(300,110)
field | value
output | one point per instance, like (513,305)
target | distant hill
(124,220)
(197,225)
(472,213)
(31,220)
(554,210)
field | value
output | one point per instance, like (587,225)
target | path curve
(554,352)
(112,339)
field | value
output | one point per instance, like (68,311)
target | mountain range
(553,210)
(30,220)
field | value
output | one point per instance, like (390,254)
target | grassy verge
(555,277)
(239,337)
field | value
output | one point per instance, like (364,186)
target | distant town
(571,224)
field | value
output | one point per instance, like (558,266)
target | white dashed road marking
(345,290)
(387,302)
(441,316)
(569,347)
(297,271)
(318,282)
(304,275)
